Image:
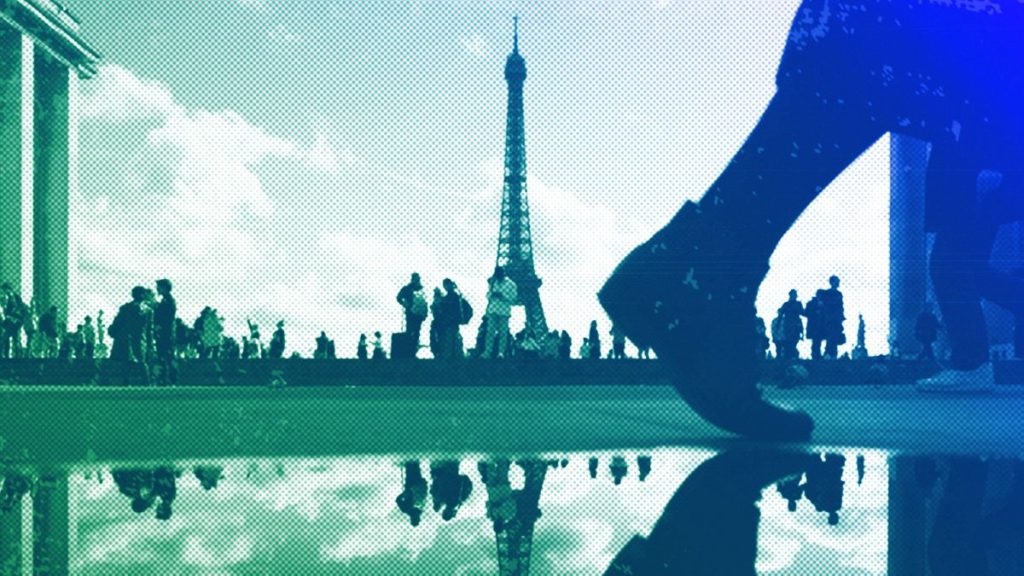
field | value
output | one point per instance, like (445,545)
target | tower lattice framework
(514,513)
(515,245)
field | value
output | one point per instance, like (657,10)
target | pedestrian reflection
(643,464)
(143,486)
(208,476)
(413,498)
(710,524)
(824,487)
(619,468)
(15,485)
(449,489)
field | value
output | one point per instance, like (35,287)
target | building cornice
(55,29)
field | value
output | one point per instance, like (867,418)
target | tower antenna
(515,33)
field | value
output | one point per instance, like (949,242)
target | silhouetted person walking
(48,333)
(565,346)
(378,347)
(833,317)
(126,330)
(164,334)
(361,348)
(451,313)
(254,340)
(277,341)
(10,347)
(435,327)
(502,294)
(594,339)
(791,314)
(414,305)
(322,342)
(213,334)
(88,339)
(815,313)
(618,344)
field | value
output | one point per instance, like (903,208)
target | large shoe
(710,525)
(979,380)
(689,293)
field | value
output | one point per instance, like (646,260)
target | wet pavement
(596,480)
(670,510)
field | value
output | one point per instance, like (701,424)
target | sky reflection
(339,516)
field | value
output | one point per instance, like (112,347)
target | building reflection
(945,515)
(513,513)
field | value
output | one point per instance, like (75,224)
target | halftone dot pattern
(298,161)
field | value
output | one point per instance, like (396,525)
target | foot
(981,379)
(688,293)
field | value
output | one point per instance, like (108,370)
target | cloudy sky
(339,516)
(299,159)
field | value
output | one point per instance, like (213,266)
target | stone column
(51,527)
(14,526)
(908,243)
(16,144)
(52,184)
(908,525)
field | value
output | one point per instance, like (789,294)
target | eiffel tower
(515,246)
(513,512)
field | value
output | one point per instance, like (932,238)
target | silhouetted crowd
(825,316)
(147,331)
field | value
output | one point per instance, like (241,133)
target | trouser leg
(957,262)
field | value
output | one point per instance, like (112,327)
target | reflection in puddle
(666,511)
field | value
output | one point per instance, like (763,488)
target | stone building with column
(910,288)
(42,57)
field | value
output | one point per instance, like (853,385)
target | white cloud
(475,45)
(323,156)
(191,204)
(116,94)
(280,33)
